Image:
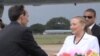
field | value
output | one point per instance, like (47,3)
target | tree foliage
(58,23)
(37,28)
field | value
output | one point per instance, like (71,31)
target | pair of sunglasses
(89,17)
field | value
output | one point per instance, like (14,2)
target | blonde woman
(80,43)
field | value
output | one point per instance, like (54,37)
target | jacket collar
(15,22)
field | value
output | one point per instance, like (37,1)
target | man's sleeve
(29,44)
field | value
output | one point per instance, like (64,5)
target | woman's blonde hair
(82,20)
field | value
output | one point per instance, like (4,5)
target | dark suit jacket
(96,32)
(16,40)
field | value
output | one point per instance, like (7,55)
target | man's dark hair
(91,10)
(15,11)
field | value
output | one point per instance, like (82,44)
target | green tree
(58,23)
(37,28)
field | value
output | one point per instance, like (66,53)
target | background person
(1,24)
(90,16)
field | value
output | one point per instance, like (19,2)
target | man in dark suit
(16,39)
(90,15)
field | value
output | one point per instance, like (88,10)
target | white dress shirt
(90,27)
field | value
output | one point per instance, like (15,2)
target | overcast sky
(43,13)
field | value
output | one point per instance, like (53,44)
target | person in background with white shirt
(90,16)
(80,43)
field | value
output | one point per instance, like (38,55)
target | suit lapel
(94,28)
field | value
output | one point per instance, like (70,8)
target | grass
(50,39)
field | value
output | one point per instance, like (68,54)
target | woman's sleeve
(63,47)
(94,45)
